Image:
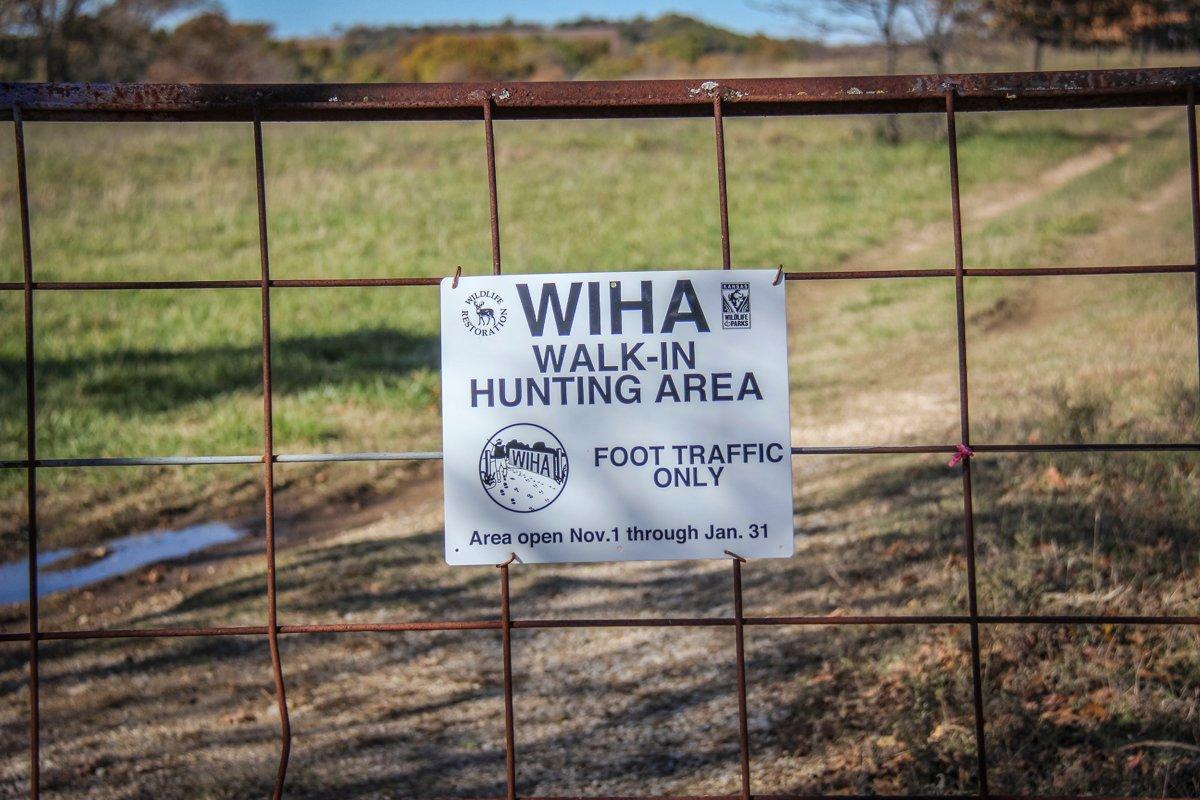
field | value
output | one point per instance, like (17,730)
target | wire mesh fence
(254,105)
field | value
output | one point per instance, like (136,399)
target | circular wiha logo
(523,467)
(484,313)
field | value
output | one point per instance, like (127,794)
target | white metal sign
(616,416)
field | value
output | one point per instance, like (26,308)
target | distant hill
(208,46)
(584,48)
(177,41)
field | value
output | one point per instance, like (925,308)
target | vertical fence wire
(1194,179)
(739,616)
(31,458)
(739,632)
(285,728)
(510,754)
(722,189)
(493,201)
(965,436)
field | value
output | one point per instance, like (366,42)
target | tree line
(934,26)
(194,40)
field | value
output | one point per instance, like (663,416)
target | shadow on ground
(862,709)
(152,381)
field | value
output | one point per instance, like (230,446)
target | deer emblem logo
(483,313)
(486,315)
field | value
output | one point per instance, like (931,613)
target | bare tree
(873,20)
(1041,21)
(48,22)
(1162,25)
(57,24)
(938,23)
(1076,23)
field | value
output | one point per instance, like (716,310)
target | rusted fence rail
(255,104)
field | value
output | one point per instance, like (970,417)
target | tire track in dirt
(986,205)
(1057,298)
(923,399)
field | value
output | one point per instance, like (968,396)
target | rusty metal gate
(254,104)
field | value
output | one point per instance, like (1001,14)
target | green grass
(159,372)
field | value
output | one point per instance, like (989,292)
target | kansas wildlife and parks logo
(484,313)
(523,467)
(735,305)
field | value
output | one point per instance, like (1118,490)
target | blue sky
(301,17)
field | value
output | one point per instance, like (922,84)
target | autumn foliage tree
(210,47)
(1162,25)
(449,57)
(1140,24)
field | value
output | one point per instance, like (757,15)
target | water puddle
(119,556)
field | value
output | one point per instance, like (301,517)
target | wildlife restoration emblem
(523,467)
(484,313)
(735,305)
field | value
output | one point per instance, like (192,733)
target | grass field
(881,709)
(159,373)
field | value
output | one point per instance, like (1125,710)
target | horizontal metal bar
(139,633)
(991,272)
(1093,447)
(1088,619)
(990,619)
(1035,272)
(254,630)
(389,627)
(852,619)
(306,458)
(831,620)
(593,99)
(627,622)
(866,274)
(85,286)
(159,461)
(132,461)
(856,450)
(319,283)
(435,455)
(76,286)
(826,275)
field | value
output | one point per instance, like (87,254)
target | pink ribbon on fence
(961,454)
